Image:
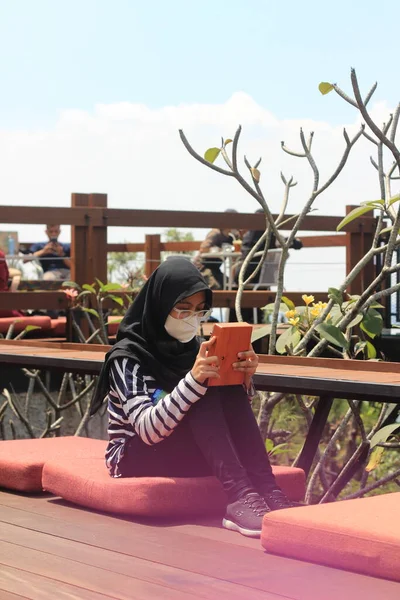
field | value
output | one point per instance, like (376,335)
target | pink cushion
(58,326)
(21,461)
(86,482)
(113,325)
(21,322)
(361,535)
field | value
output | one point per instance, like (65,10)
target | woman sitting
(164,420)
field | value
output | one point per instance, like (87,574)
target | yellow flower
(290,313)
(315,311)
(307,299)
(320,305)
(294,321)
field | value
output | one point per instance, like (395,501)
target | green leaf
(354,214)
(373,203)
(335,295)
(279,449)
(212,154)
(111,287)
(288,303)
(372,323)
(336,314)
(355,321)
(325,87)
(359,347)
(385,230)
(89,288)
(394,199)
(371,352)
(92,312)
(269,445)
(70,284)
(228,141)
(382,435)
(116,299)
(332,334)
(374,459)
(260,332)
(290,337)
(270,307)
(100,284)
(31,327)
(85,293)
(376,305)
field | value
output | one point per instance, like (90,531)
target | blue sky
(93,93)
(58,55)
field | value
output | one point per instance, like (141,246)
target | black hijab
(142,335)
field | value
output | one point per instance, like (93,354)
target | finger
(211,360)
(211,375)
(247,354)
(205,346)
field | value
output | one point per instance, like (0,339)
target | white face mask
(182,330)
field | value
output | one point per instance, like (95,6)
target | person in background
(210,267)
(250,239)
(54,256)
(4,286)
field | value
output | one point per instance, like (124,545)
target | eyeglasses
(187,314)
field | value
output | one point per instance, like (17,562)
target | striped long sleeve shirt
(137,407)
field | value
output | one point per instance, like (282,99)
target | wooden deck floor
(52,550)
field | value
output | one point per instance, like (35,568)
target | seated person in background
(210,267)
(53,255)
(250,239)
(4,286)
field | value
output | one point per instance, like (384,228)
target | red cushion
(21,322)
(361,535)
(21,461)
(113,324)
(58,326)
(86,482)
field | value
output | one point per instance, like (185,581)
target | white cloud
(134,154)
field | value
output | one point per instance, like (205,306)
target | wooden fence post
(79,239)
(97,243)
(357,245)
(152,253)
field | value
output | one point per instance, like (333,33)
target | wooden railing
(89,217)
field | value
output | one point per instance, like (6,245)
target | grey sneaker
(246,514)
(277,500)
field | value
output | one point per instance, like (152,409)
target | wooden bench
(326,378)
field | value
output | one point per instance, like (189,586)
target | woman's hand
(248,363)
(205,366)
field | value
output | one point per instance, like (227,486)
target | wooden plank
(37,215)
(323,241)
(35,587)
(121,564)
(94,579)
(10,596)
(33,300)
(331,363)
(159,542)
(314,434)
(358,243)
(96,258)
(79,241)
(314,241)
(117,217)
